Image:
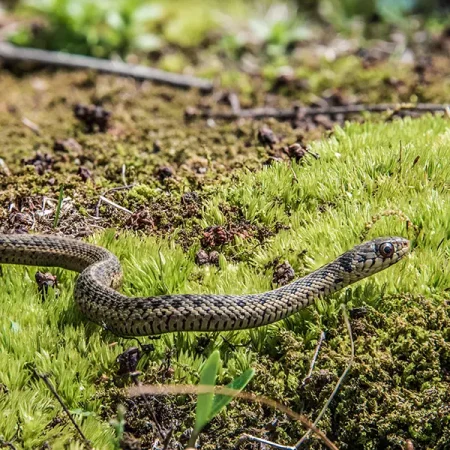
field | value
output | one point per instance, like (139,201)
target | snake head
(373,256)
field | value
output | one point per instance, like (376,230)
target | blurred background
(202,36)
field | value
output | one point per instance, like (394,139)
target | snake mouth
(403,248)
(406,248)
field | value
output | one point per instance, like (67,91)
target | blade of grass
(205,401)
(58,206)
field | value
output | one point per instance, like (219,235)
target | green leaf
(205,400)
(221,400)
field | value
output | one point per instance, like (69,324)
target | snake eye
(386,250)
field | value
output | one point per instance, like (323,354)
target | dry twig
(103,199)
(164,438)
(31,125)
(297,112)
(115,205)
(11,53)
(8,444)
(52,389)
(327,404)
(314,359)
(4,169)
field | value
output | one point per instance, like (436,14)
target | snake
(100,275)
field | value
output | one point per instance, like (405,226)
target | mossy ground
(372,179)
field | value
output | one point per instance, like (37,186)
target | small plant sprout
(208,404)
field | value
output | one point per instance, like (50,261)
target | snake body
(100,273)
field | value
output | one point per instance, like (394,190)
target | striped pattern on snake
(101,273)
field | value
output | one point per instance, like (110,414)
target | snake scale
(100,273)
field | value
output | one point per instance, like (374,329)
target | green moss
(143,193)
(359,188)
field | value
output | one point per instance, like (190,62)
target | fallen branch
(298,112)
(12,53)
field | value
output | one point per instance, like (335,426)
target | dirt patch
(92,133)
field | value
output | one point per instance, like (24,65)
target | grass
(401,343)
